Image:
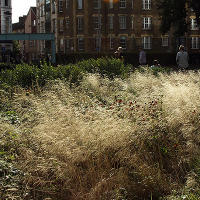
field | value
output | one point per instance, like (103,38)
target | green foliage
(105,66)
(27,76)
(16,48)
(174,15)
(4,66)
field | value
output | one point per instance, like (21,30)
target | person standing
(142,57)
(119,53)
(182,58)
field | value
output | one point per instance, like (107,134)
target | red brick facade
(126,23)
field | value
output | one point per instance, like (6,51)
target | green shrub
(26,75)
(105,66)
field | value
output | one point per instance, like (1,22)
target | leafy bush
(26,75)
(105,66)
(4,66)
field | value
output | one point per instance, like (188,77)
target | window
(97,4)
(42,27)
(60,6)
(146,41)
(110,4)
(6,2)
(80,23)
(61,44)
(122,22)
(79,4)
(42,10)
(98,43)
(97,22)
(110,22)
(7,25)
(132,4)
(122,3)
(194,25)
(122,42)
(132,22)
(111,42)
(67,44)
(165,41)
(61,25)
(147,23)
(54,25)
(67,23)
(195,43)
(80,44)
(67,3)
(146,5)
(53,6)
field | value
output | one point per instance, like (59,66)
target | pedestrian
(182,58)
(142,56)
(119,53)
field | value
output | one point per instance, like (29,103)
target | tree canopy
(174,14)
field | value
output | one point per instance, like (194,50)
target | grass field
(121,139)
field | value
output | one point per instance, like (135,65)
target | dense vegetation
(175,14)
(99,130)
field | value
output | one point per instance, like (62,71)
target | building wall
(19,27)
(68,36)
(30,27)
(6,26)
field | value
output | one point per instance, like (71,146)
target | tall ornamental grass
(135,138)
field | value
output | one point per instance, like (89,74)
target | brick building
(44,18)
(5,27)
(100,26)
(30,27)
(19,27)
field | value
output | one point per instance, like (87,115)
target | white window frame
(122,22)
(194,25)
(132,22)
(147,42)
(146,5)
(111,5)
(111,22)
(81,44)
(61,44)
(195,42)
(97,4)
(97,22)
(147,23)
(80,23)
(132,4)
(67,22)
(60,5)
(79,4)
(165,41)
(122,3)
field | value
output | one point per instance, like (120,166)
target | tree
(16,52)
(174,14)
